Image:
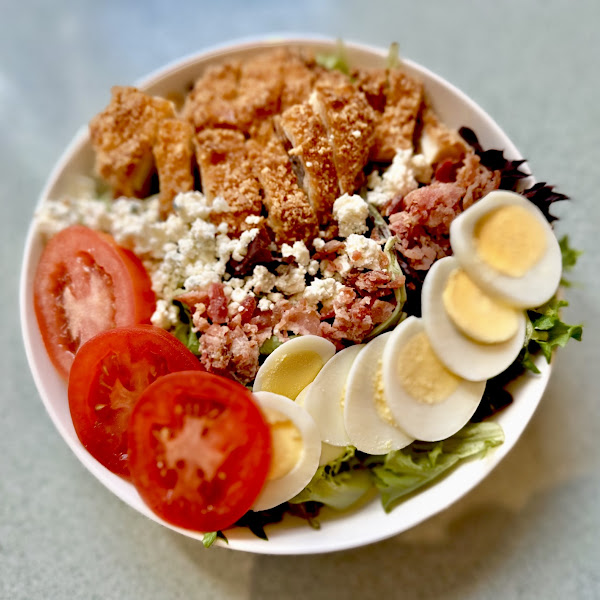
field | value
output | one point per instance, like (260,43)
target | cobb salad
(339,286)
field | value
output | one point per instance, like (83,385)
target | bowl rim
(29,328)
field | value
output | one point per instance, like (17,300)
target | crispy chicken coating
(349,122)
(290,215)
(226,170)
(438,142)
(311,156)
(123,136)
(174,155)
(395,127)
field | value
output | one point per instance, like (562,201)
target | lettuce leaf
(335,61)
(400,293)
(569,258)
(402,472)
(183,330)
(338,484)
(209,538)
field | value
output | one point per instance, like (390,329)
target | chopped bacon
(214,348)
(352,320)
(381,311)
(217,304)
(423,227)
(373,283)
(476,179)
(300,319)
(248,306)
(192,298)
(244,354)
(330,248)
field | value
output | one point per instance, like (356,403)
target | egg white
(304,343)
(537,286)
(427,422)
(324,397)
(367,431)
(467,358)
(329,453)
(292,483)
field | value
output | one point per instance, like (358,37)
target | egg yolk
(422,374)
(381,405)
(510,239)
(286,444)
(476,314)
(292,373)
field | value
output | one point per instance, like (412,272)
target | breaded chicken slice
(395,127)
(298,81)
(349,122)
(311,156)
(123,136)
(209,104)
(436,141)
(373,84)
(290,215)
(174,155)
(226,171)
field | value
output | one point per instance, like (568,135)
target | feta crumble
(299,251)
(364,253)
(351,213)
(400,178)
(322,290)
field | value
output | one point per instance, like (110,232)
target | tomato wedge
(199,450)
(84,284)
(109,373)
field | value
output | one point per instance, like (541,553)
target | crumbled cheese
(400,178)
(318,244)
(322,290)
(351,213)
(292,280)
(240,249)
(265,304)
(313,267)
(262,281)
(364,253)
(275,296)
(166,315)
(299,251)
(357,133)
(253,219)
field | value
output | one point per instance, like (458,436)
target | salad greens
(338,484)
(402,472)
(544,329)
(184,331)
(335,61)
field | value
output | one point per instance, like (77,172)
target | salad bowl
(368,522)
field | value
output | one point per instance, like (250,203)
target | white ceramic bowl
(368,523)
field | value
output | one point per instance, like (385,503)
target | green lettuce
(183,330)
(335,61)
(209,538)
(338,484)
(402,472)
(569,258)
(400,293)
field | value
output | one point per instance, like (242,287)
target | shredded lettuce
(269,345)
(544,328)
(338,484)
(335,61)
(184,331)
(209,538)
(393,57)
(569,258)
(400,293)
(402,472)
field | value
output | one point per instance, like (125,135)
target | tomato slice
(109,373)
(84,284)
(199,450)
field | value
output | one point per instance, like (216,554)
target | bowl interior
(368,523)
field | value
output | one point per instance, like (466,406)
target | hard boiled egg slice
(426,400)
(461,321)
(295,450)
(293,365)
(367,416)
(325,397)
(508,248)
(329,453)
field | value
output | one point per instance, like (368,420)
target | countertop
(531,529)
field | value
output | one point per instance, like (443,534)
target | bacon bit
(330,248)
(352,320)
(300,319)
(373,283)
(217,306)
(214,348)
(244,354)
(422,229)
(476,179)
(381,311)
(446,171)
(192,298)
(248,306)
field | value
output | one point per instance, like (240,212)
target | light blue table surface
(531,530)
